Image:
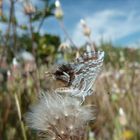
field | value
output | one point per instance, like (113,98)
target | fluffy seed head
(58,117)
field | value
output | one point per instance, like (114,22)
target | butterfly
(80,75)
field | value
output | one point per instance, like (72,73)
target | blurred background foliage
(24,59)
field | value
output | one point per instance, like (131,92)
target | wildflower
(58,11)
(122,117)
(15,63)
(57,3)
(88,48)
(119,74)
(128,134)
(8,73)
(121,112)
(135,65)
(122,57)
(77,54)
(91,136)
(86,29)
(58,117)
(63,46)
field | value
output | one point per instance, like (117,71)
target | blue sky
(115,20)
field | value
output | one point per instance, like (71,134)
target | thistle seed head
(58,117)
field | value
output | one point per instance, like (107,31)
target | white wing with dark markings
(80,75)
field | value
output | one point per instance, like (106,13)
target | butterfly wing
(87,69)
(80,75)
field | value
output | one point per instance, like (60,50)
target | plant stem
(7,34)
(66,33)
(93,45)
(31,32)
(40,24)
(19,115)
(14,31)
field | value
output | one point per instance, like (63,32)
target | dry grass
(116,98)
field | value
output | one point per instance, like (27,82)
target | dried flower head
(15,62)
(60,118)
(1,3)
(64,46)
(58,11)
(122,117)
(57,3)
(29,8)
(77,54)
(86,28)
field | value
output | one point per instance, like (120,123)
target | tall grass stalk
(19,115)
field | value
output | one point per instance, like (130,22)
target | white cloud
(109,24)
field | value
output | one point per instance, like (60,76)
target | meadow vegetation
(25,59)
